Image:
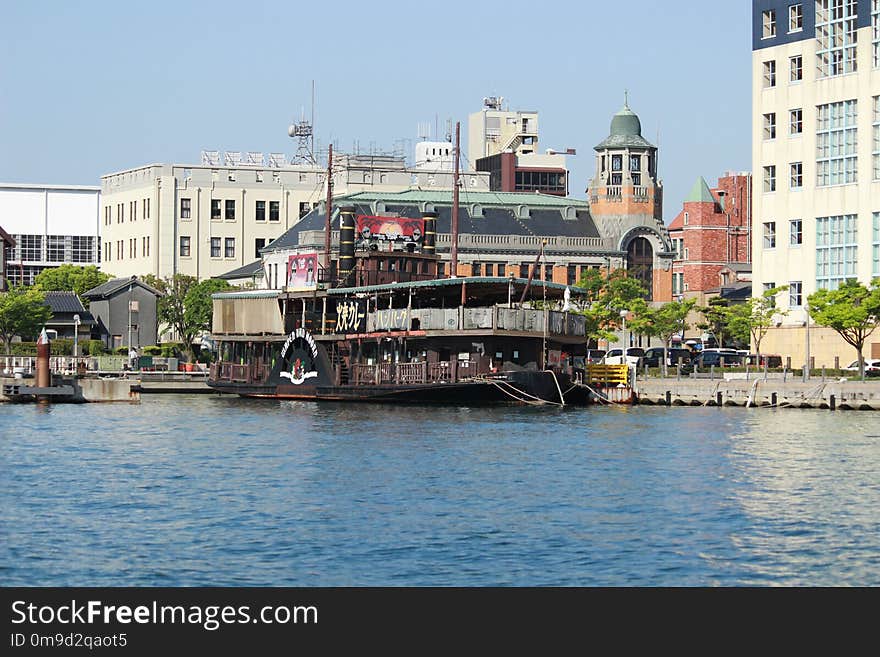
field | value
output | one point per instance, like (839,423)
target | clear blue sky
(88,88)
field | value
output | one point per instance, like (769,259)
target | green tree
(716,317)
(23,312)
(198,306)
(750,321)
(606,297)
(70,278)
(663,322)
(852,310)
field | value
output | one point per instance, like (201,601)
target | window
(184,246)
(108,251)
(795,18)
(548,272)
(524,271)
(274,212)
(796,232)
(259,243)
(475,269)
(635,162)
(795,121)
(146,205)
(230,210)
(686,218)
(571,274)
(769,234)
(795,68)
(876,270)
(678,283)
(836,250)
(260,212)
(145,246)
(31,247)
(119,252)
(795,294)
(215,208)
(441,270)
(304,208)
(768,22)
(687,254)
(81,248)
(490,269)
(215,247)
(770,126)
(502,269)
(230,247)
(678,247)
(836,34)
(769,286)
(876,129)
(617,162)
(770,178)
(132,210)
(836,142)
(770,74)
(797,175)
(119,207)
(875,31)
(132,247)
(185,208)
(55,248)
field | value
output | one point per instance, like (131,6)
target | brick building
(711,238)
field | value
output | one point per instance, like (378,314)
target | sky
(88,88)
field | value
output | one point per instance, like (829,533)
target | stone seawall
(836,395)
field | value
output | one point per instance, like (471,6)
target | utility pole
(454,267)
(329,211)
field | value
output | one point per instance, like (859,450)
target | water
(198,490)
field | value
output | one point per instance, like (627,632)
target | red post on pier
(44,350)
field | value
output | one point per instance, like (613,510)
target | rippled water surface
(196,490)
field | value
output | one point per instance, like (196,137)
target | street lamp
(623,314)
(75,336)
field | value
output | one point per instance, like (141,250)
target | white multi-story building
(208,219)
(51,225)
(816,159)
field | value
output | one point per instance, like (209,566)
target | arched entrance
(640,263)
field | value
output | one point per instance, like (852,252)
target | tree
(663,322)
(23,312)
(717,318)
(606,297)
(852,310)
(185,305)
(70,278)
(751,320)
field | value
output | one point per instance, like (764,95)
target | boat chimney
(429,244)
(346,243)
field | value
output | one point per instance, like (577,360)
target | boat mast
(454,266)
(329,212)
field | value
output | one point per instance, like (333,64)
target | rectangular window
(769,234)
(215,247)
(184,246)
(146,205)
(795,68)
(502,269)
(132,211)
(475,269)
(304,208)
(441,270)
(795,121)
(836,35)
(875,157)
(31,247)
(523,271)
(107,251)
(797,175)
(230,247)
(769,286)
(119,213)
(55,248)
(876,269)
(259,243)
(185,208)
(770,74)
(836,142)
(686,255)
(260,211)
(548,273)
(81,248)
(795,294)
(770,126)
(836,250)
(678,247)
(490,269)
(795,18)
(119,252)
(230,210)
(145,246)
(617,162)
(215,209)
(770,178)
(875,31)
(132,247)
(678,283)
(768,24)
(274,211)
(106,215)
(796,232)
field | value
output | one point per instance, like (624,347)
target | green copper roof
(700,193)
(626,131)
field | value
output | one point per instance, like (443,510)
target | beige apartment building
(816,160)
(208,219)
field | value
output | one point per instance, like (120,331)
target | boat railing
(238,373)
(412,373)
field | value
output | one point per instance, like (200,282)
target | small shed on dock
(125,307)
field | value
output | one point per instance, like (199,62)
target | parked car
(772,360)
(634,356)
(871,365)
(710,357)
(594,355)
(654,356)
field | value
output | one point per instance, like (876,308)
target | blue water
(198,490)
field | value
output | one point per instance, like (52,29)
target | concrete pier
(76,389)
(832,395)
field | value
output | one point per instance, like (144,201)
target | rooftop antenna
(304,133)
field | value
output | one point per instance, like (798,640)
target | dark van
(654,356)
(714,357)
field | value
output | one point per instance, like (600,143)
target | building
(204,220)
(6,243)
(626,201)
(816,159)
(51,225)
(125,312)
(711,237)
(504,144)
(69,317)
(249,276)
